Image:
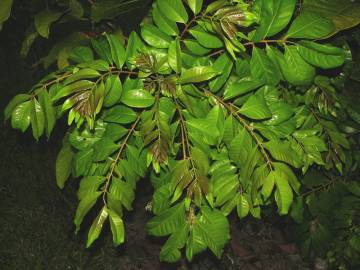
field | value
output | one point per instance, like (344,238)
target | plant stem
(117,158)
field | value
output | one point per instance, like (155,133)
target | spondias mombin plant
(220,106)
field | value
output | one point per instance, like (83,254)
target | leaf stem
(117,158)
(234,111)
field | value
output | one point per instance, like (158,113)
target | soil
(36,217)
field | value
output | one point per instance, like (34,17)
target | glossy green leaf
(137,98)
(205,39)
(275,16)
(96,226)
(20,116)
(255,108)
(154,37)
(132,49)
(113,90)
(73,88)
(263,69)
(324,56)
(84,207)
(195,48)
(170,251)
(37,119)
(14,102)
(104,148)
(89,184)
(198,74)
(117,50)
(242,206)
(174,57)
(195,5)
(43,21)
(224,66)
(214,230)
(174,10)
(120,114)
(310,25)
(168,221)
(165,25)
(241,87)
(301,73)
(117,228)
(284,194)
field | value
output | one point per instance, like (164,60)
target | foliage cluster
(227,106)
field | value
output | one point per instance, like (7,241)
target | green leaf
(49,111)
(43,21)
(117,50)
(269,184)
(282,151)
(170,252)
(195,48)
(110,9)
(82,161)
(137,98)
(96,227)
(84,207)
(5,11)
(113,90)
(301,73)
(20,116)
(242,206)
(324,56)
(37,119)
(195,5)
(198,74)
(284,194)
(344,14)
(122,192)
(168,221)
(241,87)
(154,37)
(132,49)
(174,55)
(14,102)
(167,26)
(63,165)
(81,54)
(255,108)
(214,230)
(310,25)
(117,228)
(174,10)
(224,66)
(120,114)
(103,149)
(102,48)
(263,69)
(89,184)
(275,16)
(73,88)
(205,39)
(86,73)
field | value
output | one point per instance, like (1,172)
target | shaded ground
(36,217)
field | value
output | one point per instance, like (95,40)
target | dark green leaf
(84,206)
(117,50)
(43,21)
(310,25)
(154,37)
(63,165)
(174,56)
(120,114)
